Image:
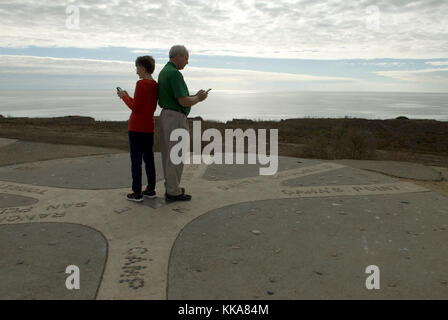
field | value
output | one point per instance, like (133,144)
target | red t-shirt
(143,106)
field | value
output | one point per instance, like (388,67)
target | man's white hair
(177,50)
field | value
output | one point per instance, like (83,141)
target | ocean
(223,106)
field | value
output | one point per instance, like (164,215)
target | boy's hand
(122,93)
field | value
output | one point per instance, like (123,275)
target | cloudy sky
(363,45)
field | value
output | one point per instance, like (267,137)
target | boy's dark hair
(146,62)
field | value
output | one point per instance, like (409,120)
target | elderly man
(175,101)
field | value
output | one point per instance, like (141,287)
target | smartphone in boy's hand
(121,92)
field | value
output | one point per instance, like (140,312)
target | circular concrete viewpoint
(35,257)
(110,171)
(315,248)
(308,231)
(11,200)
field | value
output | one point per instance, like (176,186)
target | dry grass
(352,143)
(410,140)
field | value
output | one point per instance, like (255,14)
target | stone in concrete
(35,257)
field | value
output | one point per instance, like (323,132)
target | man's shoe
(135,197)
(180,197)
(181,190)
(149,194)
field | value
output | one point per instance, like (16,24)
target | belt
(181,111)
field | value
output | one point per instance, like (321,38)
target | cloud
(438,63)
(229,75)
(439,75)
(140,51)
(378,64)
(12,64)
(311,29)
(18,72)
(220,79)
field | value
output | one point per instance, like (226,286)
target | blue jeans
(141,145)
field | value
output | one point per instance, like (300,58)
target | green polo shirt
(171,86)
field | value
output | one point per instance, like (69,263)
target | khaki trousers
(170,120)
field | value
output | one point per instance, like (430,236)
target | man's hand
(202,95)
(190,101)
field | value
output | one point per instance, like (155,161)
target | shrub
(342,143)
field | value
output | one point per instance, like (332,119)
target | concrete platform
(443,172)
(315,248)
(216,172)
(397,169)
(16,151)
(4,142)
(109,171)
(341,176)
(308,231)
(11,200)
(35,257)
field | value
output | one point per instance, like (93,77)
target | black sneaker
(180,197)
(149,194)
(135,197)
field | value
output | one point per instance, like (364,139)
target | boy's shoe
(135,197)
(149,194)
